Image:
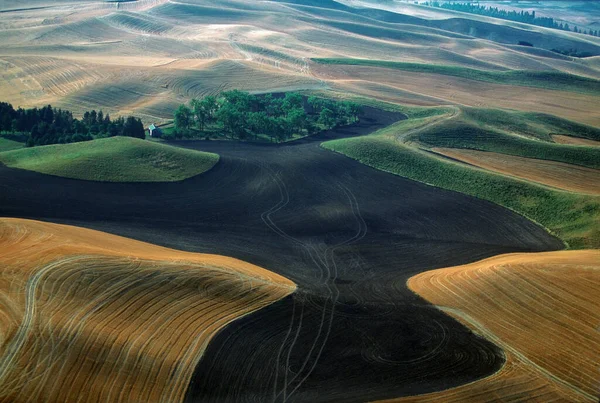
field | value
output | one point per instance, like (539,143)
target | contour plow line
(107,318)
(540,308)
(485,332)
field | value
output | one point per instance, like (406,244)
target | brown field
(578,141)
(560,175)
(88,314)
(146,57)
(453,90)
(540,308)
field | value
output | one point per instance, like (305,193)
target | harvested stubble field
(540,308)
(463,91)
(551,173)
(575,141)
(143,57)
(85,314)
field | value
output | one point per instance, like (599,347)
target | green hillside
(457,133)
(7,145)
(530,124)
(115,159)
(572,217)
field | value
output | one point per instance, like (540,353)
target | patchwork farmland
(439,245)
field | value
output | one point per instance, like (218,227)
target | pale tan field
(88,315)
(148,56)
(540,308)
(551,173)
(452,90)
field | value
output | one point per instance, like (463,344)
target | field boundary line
(484,331)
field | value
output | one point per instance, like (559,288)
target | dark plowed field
(348,235)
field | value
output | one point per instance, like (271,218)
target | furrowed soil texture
(85,314)
(540,308)
(349,236)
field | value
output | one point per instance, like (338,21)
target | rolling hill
(436,276)
(551,173)
(146,57)
(115,159)
(7,144)
(89,314)
(409,148)
(528,304)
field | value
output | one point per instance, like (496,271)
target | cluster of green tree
(49,125)
(237,114)
(512,15)
(572,52)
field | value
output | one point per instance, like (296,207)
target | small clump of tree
(572,52)
(525,43)
(48,125)
(240,115)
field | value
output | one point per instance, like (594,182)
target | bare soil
(349,236)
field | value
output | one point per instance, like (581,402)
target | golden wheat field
(92,316)
(514,382)
(559,175)
(540,308)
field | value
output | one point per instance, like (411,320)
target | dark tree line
(48,125)
(512,15)
(572,52)
(238,114)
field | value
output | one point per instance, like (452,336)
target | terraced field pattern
(417,254)
(147,56)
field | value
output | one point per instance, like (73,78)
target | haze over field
(145,57)
(298,201)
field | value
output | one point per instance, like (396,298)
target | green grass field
(530,124)
(553,80)
(7,145)
(115,159)
(573,218)
(462,134)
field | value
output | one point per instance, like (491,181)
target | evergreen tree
(133,128)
